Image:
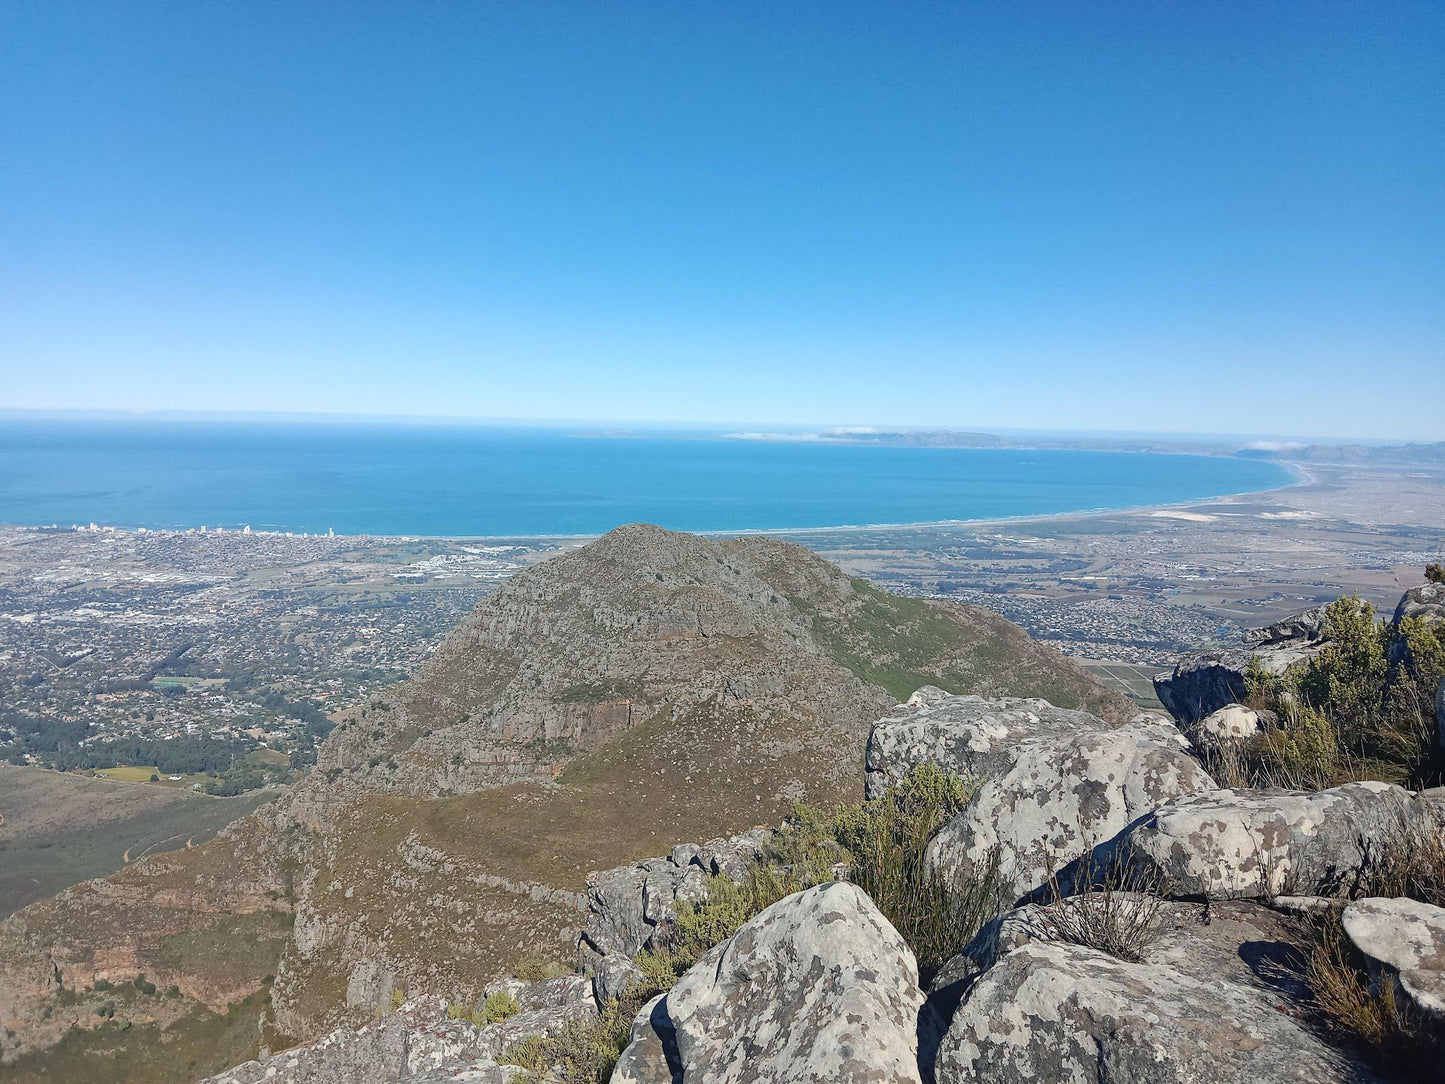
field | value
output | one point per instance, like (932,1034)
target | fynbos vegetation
(1363,708)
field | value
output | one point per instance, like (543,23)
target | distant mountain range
(1425,454)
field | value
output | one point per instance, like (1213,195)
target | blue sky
(1205,217)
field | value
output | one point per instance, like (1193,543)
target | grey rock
(1304,627)
(1205,681)
(557,992)
(817,987)
(612,976)
(972,736)
(685,854)
(1427,601)
(1064,795)
(1231,725)
(1260,844)
(416,1043)
(651,1056)
(1404,942)
(1051,1011)
(733,858)
(615,920)
(1209,1001)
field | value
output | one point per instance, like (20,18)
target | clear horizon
(739,427)
(1124,220)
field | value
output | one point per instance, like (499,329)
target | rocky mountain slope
(648,686)
(1186,962)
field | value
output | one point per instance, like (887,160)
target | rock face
(1055,782)
(1063,796)
(1404,942)
(817,987)
(629,908)
(1203,682)
(1427,601)
(972,736)
(1306,627)
(1259,844)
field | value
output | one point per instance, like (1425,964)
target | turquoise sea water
(457,480)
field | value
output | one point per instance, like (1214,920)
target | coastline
(1302,477)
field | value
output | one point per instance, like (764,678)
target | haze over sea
(443,480)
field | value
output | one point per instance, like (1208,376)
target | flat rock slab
(1402,939)
(1050,1011)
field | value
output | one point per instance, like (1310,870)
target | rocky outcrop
(409,1045)
(819,986)
(1258,844)
(971,736)
(1203,682)
(1426,601)
(630,908)
(1204,1005)
(418,1042)
(1307,627)
(1064,794)
(1404,942)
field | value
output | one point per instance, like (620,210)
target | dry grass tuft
(1115,912)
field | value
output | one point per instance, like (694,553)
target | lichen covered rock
(817,987)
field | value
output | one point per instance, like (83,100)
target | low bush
(495,1008)
(1363,708)
(583,1051)
(1115,911)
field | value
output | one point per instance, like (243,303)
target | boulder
(1301,628)
(1205,681)
(612,976)
(819,986)
(1064,795)
(1404,942)
(1263,843)
(1231,725)
(651,1055)
(972,736)
(1427,601)
(1054,1011)
(555,993)
(631,907)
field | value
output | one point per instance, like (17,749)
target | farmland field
(58,829)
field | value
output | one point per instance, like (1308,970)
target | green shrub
(1349,713)
(499,1006)
(537,967)
(583,1051)
(1435,573)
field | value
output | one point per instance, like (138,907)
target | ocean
(396,479)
